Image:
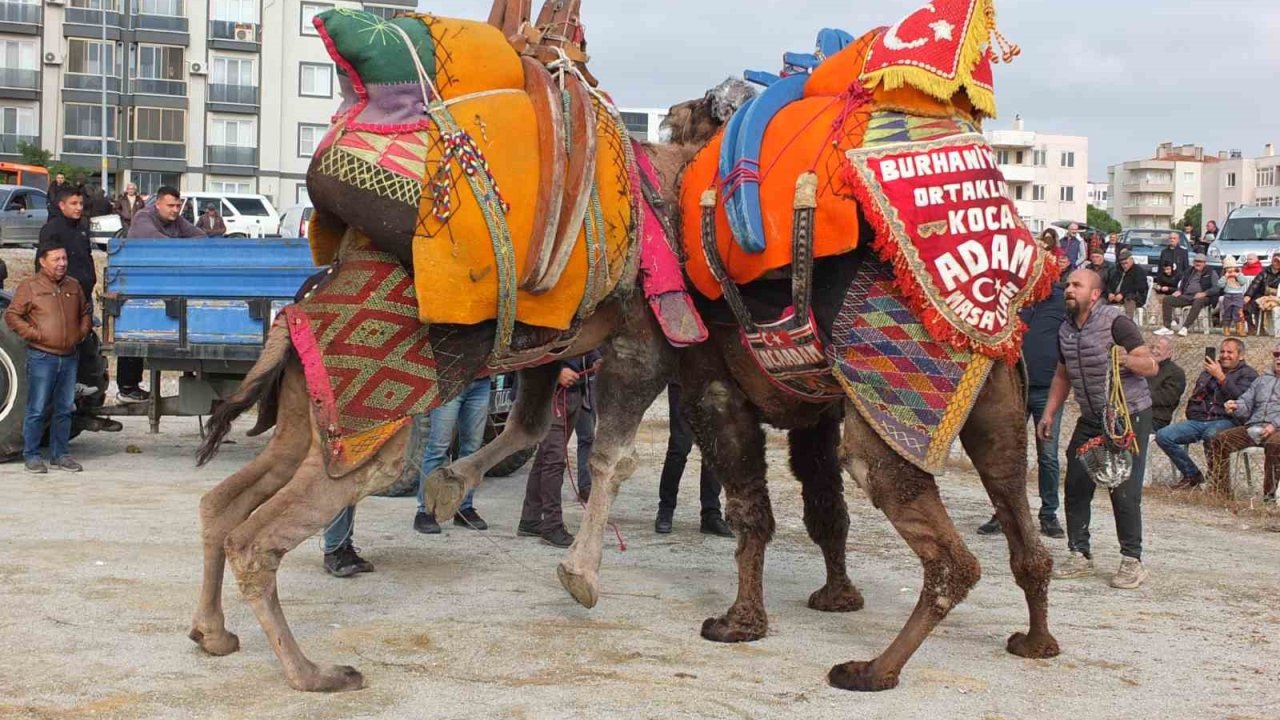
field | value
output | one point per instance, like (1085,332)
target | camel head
(695,122)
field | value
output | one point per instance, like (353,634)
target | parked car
(295,220)
(1146,244)
(1250,229)
(245,214)
(24,211)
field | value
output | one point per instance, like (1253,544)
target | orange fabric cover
(472,56)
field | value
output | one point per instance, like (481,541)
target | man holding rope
(1085,342)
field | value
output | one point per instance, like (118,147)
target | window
(1231,179)
(1188,200)
(229,186)
(252,207)
(1188,177)
(85,121)
(1018,192)
(301,196)
(384,12)
(1266,176)
(309,12)
(233,133)
(20,121)
(108,5)
(18,55)
(1037,192)
(1002,157)
(1018,157)
(1068,159)
(149,182)
(160,62)
(236,11)
(92,57)
(315,80)
(1039,158)
(232,71)
(1066,193)
(309,138)
(637,124)
(1230,206)
(163,8)
(159,125)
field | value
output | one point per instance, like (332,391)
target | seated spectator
(1252,266)
(1177,254)
(1165,283)
(1262,293)
(1098,263)
(1166,386)
(1259,409)
(1232,286)
(1198,289)
(1226,378)
(1127,284)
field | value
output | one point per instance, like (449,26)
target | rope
(1118,423)
(560,403)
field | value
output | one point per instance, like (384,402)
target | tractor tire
(13,392)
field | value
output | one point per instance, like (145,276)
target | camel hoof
(582,588)
(836,598)
(216,644)
(334,678)
(445,492)
(1022,645)
(724,630)
(860,677)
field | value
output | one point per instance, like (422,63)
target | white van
(245,214)
(295,220)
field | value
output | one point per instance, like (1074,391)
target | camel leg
(230,503)
(527,423)
(731,439)
(815,463)
(301,509)
(995,441)
(637,367)
(909,498)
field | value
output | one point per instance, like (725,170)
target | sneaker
(990,527)
(1049,527)
(1182,332)
(531,528)
(469,518)
(133,395)
(345,562)
(425,523)
(83,390)
(1131,574)
(557,537)
(1269,499)
(1189,482)
(714,524)
(1076,566)
(36,466)
(1163,331)
(662,524)
(67,464)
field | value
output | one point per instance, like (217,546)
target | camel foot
(841,597)
(861,677)
(725,630)
(331,678)
(583,588)
(216,644)
(445,492)
(1033,646)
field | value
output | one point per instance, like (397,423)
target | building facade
(1048,175)
(217,95)
(1235,181)
(1100,195)
(1156,193)
(645,124)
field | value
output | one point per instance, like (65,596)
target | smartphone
(1211,353)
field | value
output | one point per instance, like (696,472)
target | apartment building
(1099,194)
(1236,180)
(645,124)
(1157,192)
(223,95)
(1048,175)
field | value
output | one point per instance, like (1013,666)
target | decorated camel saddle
(885,127)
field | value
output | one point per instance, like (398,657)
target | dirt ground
(102,569)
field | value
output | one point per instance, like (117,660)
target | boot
(1241,329)
(1226,330)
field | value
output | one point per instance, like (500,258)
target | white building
(1100,195)
(645,124)
(1156,193)
(227,95)
(1236,180)
(1048,175)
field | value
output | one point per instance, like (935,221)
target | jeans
(339,531)
(679,443)
(51,388)
(466,414)
(1046,452)
(1126,500)
(1175,438)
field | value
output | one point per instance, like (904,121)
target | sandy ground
(101,573)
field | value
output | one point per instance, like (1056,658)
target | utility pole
(106,124)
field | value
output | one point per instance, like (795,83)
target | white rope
(564,63)
(424,79)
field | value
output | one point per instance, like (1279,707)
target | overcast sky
(1128,74)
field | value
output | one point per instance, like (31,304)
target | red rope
(560,404)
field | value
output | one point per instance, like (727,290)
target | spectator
(1040,353)
(98,204)
(129,204)
(49,312)
(1262,295)
(1223,379)
(1210,234)
(465,416)
(1193,238)
(1259,409)
(1232,286)
(210,222)
(1127,284)
(1165,283)
(1098,263)
(1114,241)
(585,432)
(56,188)
(1049,241)
(1198,289)
(1085,342)
(1252,266)
(1177,254)
(1166,386)
(1074,246)
(679,443)
(541,515)
(69,230)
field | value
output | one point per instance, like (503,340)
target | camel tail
(260,385)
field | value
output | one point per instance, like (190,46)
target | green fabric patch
(375,49)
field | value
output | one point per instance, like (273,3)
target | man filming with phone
(1226,377)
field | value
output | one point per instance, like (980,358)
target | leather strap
(711,251)
(805,206)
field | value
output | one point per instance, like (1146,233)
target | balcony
(233,94)
(168,151)
(19,78)
(9,143)
(93,16)
(235,34)
(152,86)
(1148,210)
(78,81)
(1145,185)
(1018,173)
(20,13)
(143,21)
(232,155)
(89,146)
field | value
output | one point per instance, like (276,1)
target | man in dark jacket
(69,229)
(1263,294)
(1223,379)
(129,203)
(1127,284)
(1177,254)
(56,188)
(1040,353)
(541,515)
(1167,386)
(1098,263)
(1199,288)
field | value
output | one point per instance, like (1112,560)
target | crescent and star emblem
(942,30)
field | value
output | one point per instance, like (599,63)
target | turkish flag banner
(960,253)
